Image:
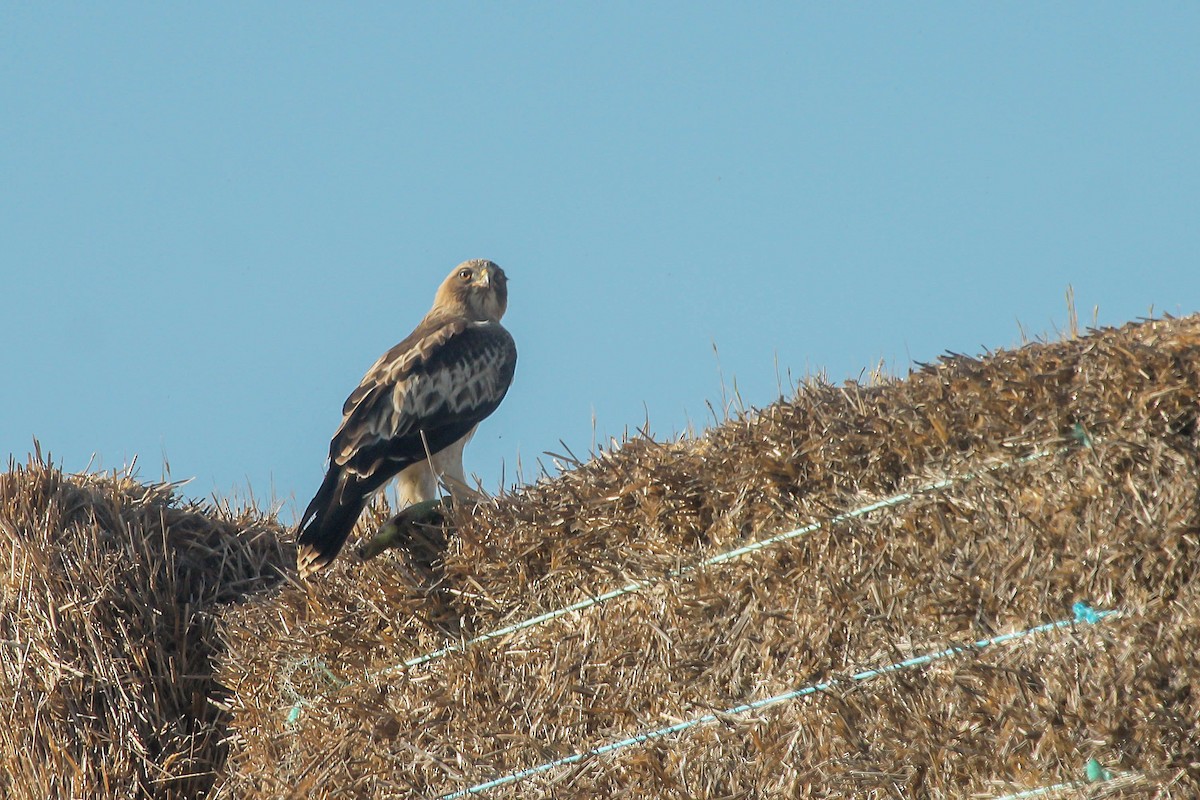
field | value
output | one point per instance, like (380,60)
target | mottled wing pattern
(375,412)
(424,399)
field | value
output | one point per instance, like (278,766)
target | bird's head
(477,288)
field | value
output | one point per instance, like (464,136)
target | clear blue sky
(214,217)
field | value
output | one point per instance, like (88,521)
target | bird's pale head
(477,288)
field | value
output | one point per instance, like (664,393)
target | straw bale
(107,633)
(1111,518)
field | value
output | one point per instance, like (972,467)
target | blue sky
(213,218)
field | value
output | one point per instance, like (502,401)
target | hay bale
(107,633)
(1113,518)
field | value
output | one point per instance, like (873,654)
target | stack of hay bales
(150,648)
(1106,512)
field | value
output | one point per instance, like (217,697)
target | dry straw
(108,606)
(1115,523)
(150,650)
(1084,615)
(756,546)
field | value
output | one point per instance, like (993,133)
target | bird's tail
(327,522)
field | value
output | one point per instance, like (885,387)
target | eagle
(415,409)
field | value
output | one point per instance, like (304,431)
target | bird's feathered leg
(447,467)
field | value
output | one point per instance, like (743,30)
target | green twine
(1080,435)
(1096,773)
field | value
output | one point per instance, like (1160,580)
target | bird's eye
(464,274)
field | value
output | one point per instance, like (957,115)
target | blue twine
(298,707)
(1085,613)
(1095,774)
(1090,618)
(1040,791)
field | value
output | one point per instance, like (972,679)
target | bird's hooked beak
(485,277)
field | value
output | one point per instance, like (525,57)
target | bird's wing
(423,395)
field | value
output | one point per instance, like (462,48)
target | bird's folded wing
(455,374)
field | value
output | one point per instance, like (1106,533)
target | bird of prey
(418,404)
